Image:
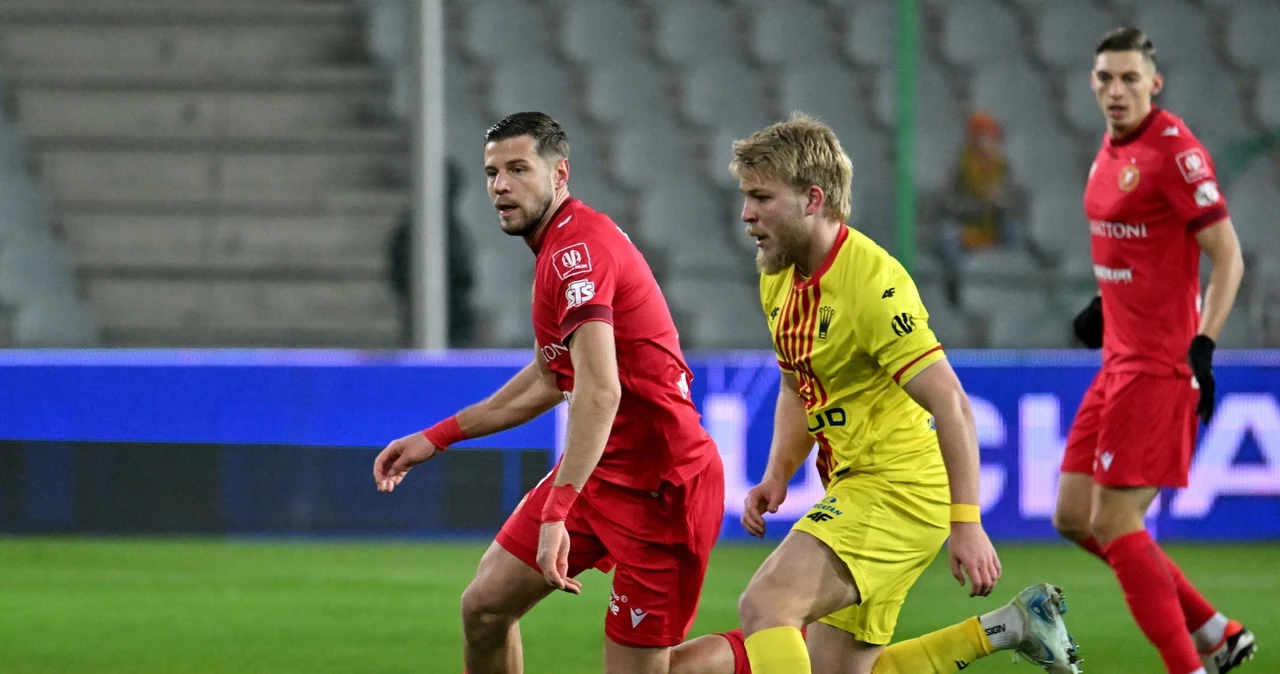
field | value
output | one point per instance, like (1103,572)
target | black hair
(1127,39)
(552,142)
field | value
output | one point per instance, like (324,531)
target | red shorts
(659,541)
(1134,429)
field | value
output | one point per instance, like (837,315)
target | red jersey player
(1153,205)
(640,486)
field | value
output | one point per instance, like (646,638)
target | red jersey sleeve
(585,278)
(1190,183)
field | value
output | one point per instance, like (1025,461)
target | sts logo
(579,293)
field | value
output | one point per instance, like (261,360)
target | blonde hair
(800,152)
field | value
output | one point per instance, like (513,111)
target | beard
(528,218)
(789,243)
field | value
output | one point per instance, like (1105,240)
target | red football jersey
(1148,195)
(588,270)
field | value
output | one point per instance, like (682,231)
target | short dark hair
(1127,38)
(552,142)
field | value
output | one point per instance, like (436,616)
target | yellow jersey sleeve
(893,325)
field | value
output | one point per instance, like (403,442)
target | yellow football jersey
(853,334)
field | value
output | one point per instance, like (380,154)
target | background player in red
(1153,205)
(640,485)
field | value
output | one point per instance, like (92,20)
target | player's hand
(972,553)
(1088,324)
(1200,356)
(395,461)
(766,496)
(553,557)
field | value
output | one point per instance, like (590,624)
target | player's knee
(1072,526)
(756,611)
(482,616)
(1107,526)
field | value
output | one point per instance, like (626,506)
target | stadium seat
(719,154)
(24,213)
(1066,32)
(1058,227)
(465,117)
(690,224)
(33,268)
(937,151)
(824,89)
(936,103)
(644,155)
(1250,34)
(869,31)
(505,31)
(1028,325)
(1207,98)
(1254,199)
(595,191)
(1080,106)
(1267,104)
(727,95)
(1017,95)
(626,91)
(602,30)
(693,31)
(949,324)
(718,313)
(1179,29)
(1039,160)
(538,84)
(586,152)
(55,320)
(777,28)
(979,31)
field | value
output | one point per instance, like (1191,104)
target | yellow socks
(778,650)
(948,650)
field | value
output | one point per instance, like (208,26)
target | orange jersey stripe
(825,454)
(915,360)
(784,329)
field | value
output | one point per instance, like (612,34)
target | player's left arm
(895,330)
(1220,244)
(584,302)
(938,390)
(597,390)
(1189,181)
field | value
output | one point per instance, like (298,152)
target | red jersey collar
(802,282)
(539,236)
(1142,128)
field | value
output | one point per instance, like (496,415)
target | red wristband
(559,501)
(445,433)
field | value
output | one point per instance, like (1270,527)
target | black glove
(1200,356)
(1088,324)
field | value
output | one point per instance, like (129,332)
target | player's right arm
(526,396)
(790,447)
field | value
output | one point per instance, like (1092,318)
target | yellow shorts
(887,532)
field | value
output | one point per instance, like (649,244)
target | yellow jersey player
(866,379)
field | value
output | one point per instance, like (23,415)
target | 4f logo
(579,293)
(819,517)
(825,314)
(903,324)
(774,314)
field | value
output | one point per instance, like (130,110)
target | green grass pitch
(213,606)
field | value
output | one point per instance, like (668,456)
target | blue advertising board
(1023,402)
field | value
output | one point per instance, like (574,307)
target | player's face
(1124,82)
(775,217)
(522,185)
